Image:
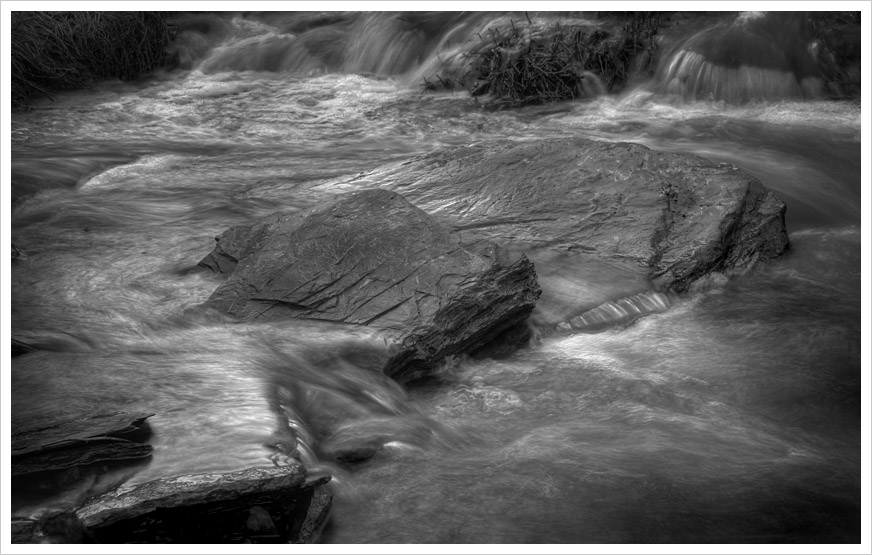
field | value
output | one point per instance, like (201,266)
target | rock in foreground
(256,505)
(370,258)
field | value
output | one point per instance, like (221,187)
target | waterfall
(754,57)
(386,44)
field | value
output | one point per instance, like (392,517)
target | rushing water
(731,414)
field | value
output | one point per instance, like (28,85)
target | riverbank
(54,51)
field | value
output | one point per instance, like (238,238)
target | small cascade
(406,45)
(380,43)
(621,312)
(590,85)
(391,44)
(336,405)
(755,57)
(270,52)
(196,35)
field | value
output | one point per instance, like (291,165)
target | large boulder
(370,258)
(278,504)
(677,217)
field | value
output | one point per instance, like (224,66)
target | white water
(727,415)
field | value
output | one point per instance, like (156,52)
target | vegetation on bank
(526,63)
(837,51)
(66,50)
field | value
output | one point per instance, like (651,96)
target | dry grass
(838,52)
(63,50)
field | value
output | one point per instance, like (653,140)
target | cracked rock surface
(676,217)
(371,258)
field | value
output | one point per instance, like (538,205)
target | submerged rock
(54,526)
(71,458)
(257,505)
(18,254)
(677,217)
(21,348)
(371,258)
(360,440)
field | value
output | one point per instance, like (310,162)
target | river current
(732,416)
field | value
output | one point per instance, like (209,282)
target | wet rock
(80,441)
(24,530)
(121,425)
(361,440)
(356,453)
(49,340)
(676,216)
(256,505)
(260,524)
(82,453)
(316,516)
(243,240)
(54,526)
(21,348)
(507,343)
(18,254)
(479,398)
(371,258)
(69,488)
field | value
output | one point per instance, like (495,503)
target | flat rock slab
(80,454)
(257,505)
(371,258)
(81,441)
(677,216)
(122,425)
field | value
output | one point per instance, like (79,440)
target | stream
(732,416)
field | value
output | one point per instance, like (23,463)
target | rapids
(729,414)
